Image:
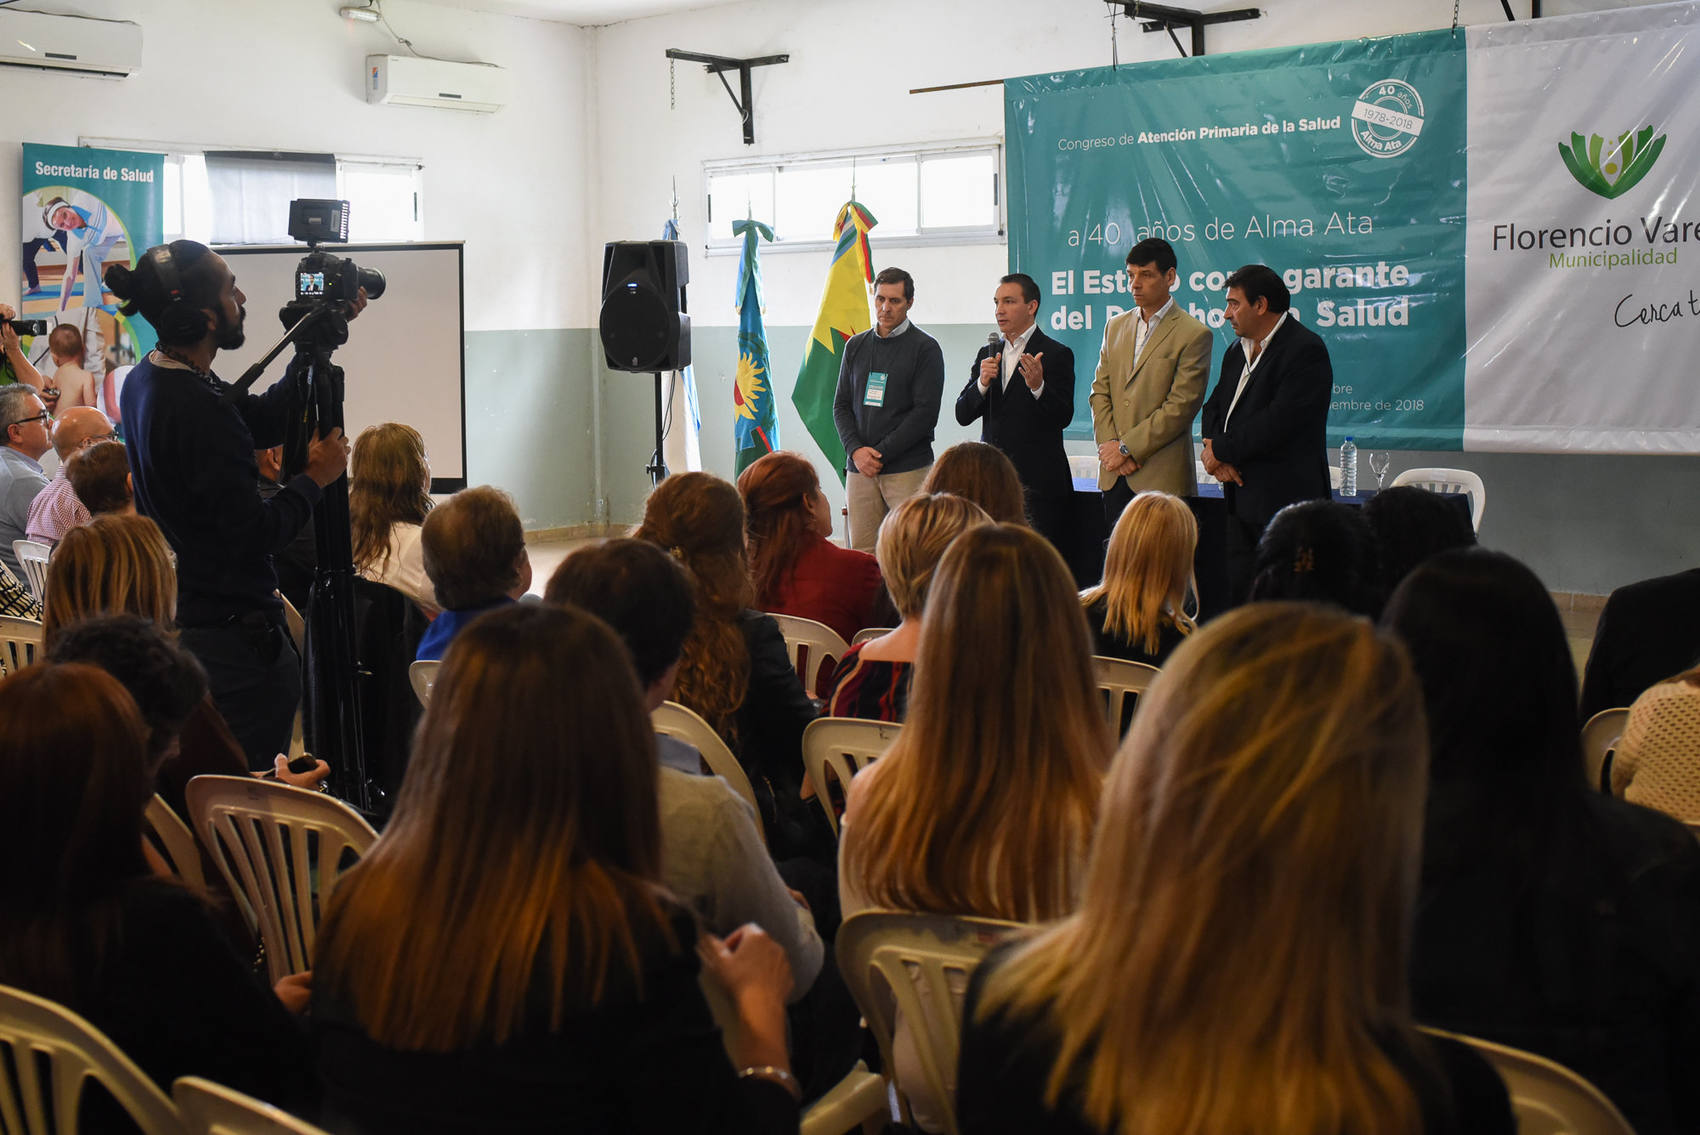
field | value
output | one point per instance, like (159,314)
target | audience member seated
(121,564)
(507,958)
(474,551)
(1657,763)
(298,562)
(100,476)
(15,597)
(1410,525)
(26,422)
(389,494)
(87,925)
(1237,963)
(1321,551)
(1551,918)
(1648,631)
(736,671)
(797,569)
(980,473)
(1138,611)
(872,680)
(712,855)
(985,804)
(59,506)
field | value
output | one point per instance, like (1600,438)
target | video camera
(321,277)
(30,327)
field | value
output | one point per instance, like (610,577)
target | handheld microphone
(994,342)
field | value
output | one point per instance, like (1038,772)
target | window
(922,195)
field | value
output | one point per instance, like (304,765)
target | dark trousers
(1242,555)
(1116,498)
(254,676)
(1050,519)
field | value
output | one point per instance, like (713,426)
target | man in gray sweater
(886,407)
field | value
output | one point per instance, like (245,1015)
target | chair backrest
(1121,682)
(868,633)
(844,746)
(32,557)
(213,1109)
(51,1052)
(675,720)
(423,675)
(271,842)
(895,962)
(20,642)
(1693,828)
(1547,1097)
(172,838)
(812,646)
(1600,736)
(1450,481)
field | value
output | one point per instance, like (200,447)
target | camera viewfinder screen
(309,285)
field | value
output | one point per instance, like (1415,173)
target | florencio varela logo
(1611,169)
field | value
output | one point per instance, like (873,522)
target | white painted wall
(287,75)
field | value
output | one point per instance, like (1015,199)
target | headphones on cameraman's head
(178,321)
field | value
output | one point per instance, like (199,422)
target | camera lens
(373,281)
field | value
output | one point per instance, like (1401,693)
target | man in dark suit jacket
(1265,424)
(1025,390)
(1648,631)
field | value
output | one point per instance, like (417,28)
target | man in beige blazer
(1148,388)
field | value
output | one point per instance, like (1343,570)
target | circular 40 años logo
(1387,118)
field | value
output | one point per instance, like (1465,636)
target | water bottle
(1348,468)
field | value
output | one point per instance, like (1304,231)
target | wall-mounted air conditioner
(107,48)
(409,81)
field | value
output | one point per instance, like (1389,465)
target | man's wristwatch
(1122,445)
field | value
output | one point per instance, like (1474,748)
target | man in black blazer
(1265,424)
(1648,631)
(1025,390)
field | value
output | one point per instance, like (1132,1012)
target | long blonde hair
(1239,956)
(699,519)
(113,564)
(386,487)
(912,538)
(524,849)
(1147,570)
(986,801)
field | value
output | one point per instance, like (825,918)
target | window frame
(925,236)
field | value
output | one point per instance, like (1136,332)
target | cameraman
(191,446)
(18,367)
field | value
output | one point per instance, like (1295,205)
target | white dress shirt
(1010,363)
(1143,327)
(1251,361)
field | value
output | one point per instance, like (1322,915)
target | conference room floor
(1579,612)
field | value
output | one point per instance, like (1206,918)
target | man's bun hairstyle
(170,287)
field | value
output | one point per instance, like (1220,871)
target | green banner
(83,209)
(1342,166)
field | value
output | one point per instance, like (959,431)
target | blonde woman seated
(1657,763)
(506,957)
(986,802)
(1238,960)
(389,493)
(1138,611)
(797,569)
(980,473)
(872,680)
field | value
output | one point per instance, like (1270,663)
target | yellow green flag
(843,312)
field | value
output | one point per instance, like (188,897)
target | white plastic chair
(674,720)
(810,644)
(888,958)
(1547,1097)
(213,1109)
(271,841)
(868,633)
(845,746)
(858,1100)
(172,838)
(1449,481)
(423,675)
(52,1051)
(20,642)
(32,557)
(1600,736)
(1119,680)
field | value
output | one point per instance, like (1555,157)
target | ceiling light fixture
(368,15)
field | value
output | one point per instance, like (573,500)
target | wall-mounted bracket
(719,65)
(1166,18)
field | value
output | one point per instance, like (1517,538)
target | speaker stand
(657,467)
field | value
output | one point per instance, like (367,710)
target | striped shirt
(55,511)
(867,688)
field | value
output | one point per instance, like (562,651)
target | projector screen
(403,361)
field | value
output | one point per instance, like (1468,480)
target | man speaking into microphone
(1022,383)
